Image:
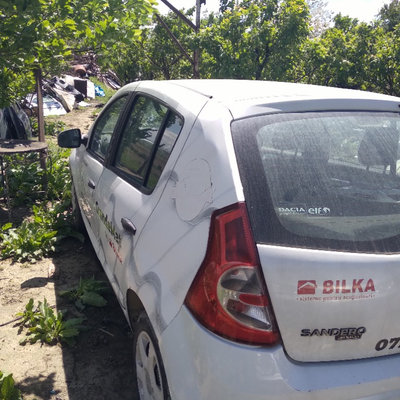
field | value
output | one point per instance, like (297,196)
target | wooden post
(40,117)
(196,53)
(174,38)
(195,27)
(179,14)
(198,7)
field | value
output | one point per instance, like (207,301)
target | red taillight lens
(228,295)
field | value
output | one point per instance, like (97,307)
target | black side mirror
(71,139)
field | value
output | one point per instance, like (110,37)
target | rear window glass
(164,148)
(139,136)
(146,142)
(329,176)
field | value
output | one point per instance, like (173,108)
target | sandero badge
(337,333)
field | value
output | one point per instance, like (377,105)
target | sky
(364,10)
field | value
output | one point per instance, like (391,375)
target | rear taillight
(228,295)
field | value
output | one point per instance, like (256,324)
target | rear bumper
(200,365)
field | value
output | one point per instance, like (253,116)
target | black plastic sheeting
(14,123)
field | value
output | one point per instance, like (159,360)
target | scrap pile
(60,96)
(86,65)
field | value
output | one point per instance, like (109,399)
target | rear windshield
(323,178)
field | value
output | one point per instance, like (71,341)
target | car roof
(250,97)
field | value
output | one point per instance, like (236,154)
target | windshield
(332,175)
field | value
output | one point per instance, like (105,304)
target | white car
(250,231)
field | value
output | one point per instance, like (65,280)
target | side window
(168,139)
(103,130)
(147,141)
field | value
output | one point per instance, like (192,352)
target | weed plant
(51,220)
(58,175)
(37,236)
(8,391)
(88,293)
(46,326)
(25,178)
(51,128)
(28,182)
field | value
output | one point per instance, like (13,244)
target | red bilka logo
(342,286)
(306,287)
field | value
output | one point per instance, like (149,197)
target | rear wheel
(148,367)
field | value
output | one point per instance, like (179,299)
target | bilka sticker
(335,289)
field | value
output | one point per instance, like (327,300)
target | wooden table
(14,146)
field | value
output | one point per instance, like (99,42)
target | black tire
(77,220)
(151,381)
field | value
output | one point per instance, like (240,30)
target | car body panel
(247,98)
(215,368)
(195,188)
(312,290)
(86,172)
(120,252)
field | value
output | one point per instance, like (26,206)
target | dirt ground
(81,118)
(99,366)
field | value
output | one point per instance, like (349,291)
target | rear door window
(146,142)
(330,177)
(164,148)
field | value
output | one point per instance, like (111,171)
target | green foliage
(154,55)
(46,326)
(255,40)
(43,34)
(28,315)
(36,237)
(14,85)
(352,54)
(336,57)
(389,15)
(286,40)
(53,128)
(32,240)
(88,293)
(248,39)
(27,180)
(58,176)
(384,67)
(8,391)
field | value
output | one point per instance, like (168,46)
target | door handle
(91,184)
(128,225)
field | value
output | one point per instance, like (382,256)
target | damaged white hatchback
(251,232)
